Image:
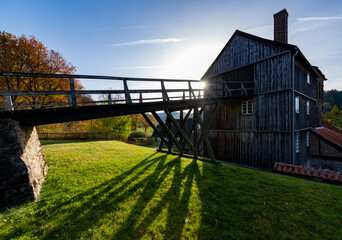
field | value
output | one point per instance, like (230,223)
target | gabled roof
(292,48)
(331,133)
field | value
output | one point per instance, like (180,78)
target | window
(308,78)
(297,104)
(308,139)
(247,107)
(307,107)
(297,142)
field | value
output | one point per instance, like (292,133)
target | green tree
(334,117)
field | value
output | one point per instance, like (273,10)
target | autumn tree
(334,117)
(28,55)
(143,123)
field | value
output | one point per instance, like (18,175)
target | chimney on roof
(280,26)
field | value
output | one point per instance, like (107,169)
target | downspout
(293,108)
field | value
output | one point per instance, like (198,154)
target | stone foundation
(22,164)
(329,164)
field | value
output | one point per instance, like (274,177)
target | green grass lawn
(113,190)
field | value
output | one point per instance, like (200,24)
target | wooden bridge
(168,95)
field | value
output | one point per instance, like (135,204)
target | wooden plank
(162,138)
(9,103)
(127,94)
(205,135)
(195,133)
(73,94)
(185,137)
(169,132)
(165,96)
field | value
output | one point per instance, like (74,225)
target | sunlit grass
(113,190)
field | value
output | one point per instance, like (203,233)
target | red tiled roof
(330,133)
(308,171)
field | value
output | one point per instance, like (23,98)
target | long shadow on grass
(177,203)
(73,220)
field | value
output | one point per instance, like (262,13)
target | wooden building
(280,102)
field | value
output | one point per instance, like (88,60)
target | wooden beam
(72,91)
(127,94)
(162,138)
(205,136)
(210,120)
(9,102)
(166,129)
(179,129)
(165,96)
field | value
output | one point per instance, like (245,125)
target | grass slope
(112,190)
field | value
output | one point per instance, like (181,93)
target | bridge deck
(57,115)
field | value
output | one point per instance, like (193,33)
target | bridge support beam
(182,141)
(22,164)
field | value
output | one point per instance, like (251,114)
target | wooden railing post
(165,96)
(9,101)
(110,102)
(127,95)
(140,97)
(73,93)
(189,85)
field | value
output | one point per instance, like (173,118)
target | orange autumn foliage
(29,55)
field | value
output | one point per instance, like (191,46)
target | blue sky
(171,39)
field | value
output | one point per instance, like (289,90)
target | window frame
(307,107)
(297,105)
(308,80)
(247,107)
(297,142)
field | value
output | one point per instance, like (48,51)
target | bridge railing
(168,90)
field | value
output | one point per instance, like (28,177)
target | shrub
(138,136)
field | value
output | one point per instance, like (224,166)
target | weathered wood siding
(273,74)
(255,149)
(265,136)
(240,52)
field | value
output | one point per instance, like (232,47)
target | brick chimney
(280,26)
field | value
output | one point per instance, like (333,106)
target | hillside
(112,190)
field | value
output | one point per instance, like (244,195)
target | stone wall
(321,163)
(22,164)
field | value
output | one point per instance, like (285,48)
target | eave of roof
(330,134)
(292,48)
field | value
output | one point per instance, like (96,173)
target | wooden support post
(69,100)
(210,120)
(165,96)
(205,136)
(166,129)
(168,124)
(195,133)
(184,122)
(162,138)
(9,102)
(193,124)
(73,93)
(191,92)
(110,99)
(127,94)
(185,137)
(140,97)
(181,122)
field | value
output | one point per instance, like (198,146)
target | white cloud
(148,41)
(318,18)
(139,67)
